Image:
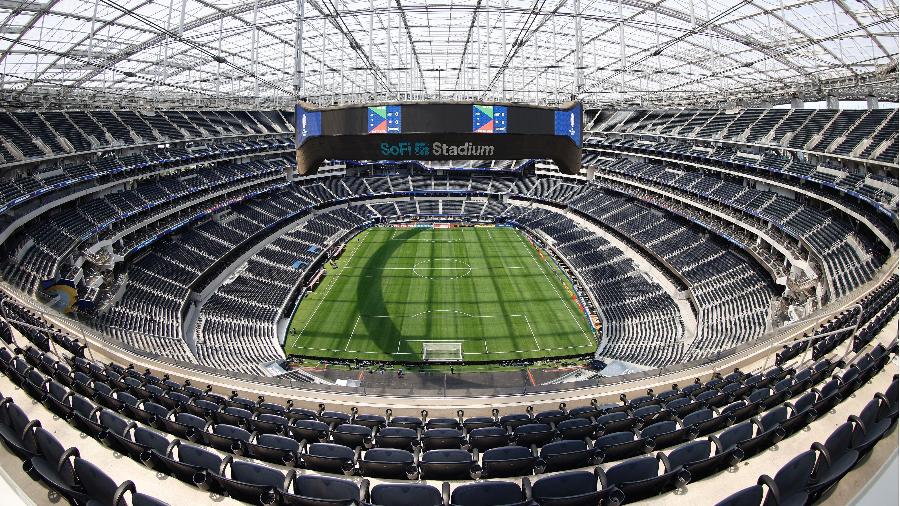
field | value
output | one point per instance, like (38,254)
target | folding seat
(750,496)
(295,413)
(190,463)
(514,420)
(828,396)
(35,384)
(621,445)
(201,408)
(311,490)
(533,433)
(240,402)
(268,423)
(410,422)
(889,401)
(868,427)
(334,418)
(790,486)
(551,417)
(144,445)
(51,465)
(666,434)
(270,408)
(388,463)
(566,454)
(400,438)
(577,428)
(86,416)
(452,464)
(706,422)
(83,384)
(440,439)
(63,374)
(849,381)
(443,423)
(185,425)
(328,457)
(352,436)
(489,493)
(19,370)
(274,448)
(683,406)
(312,431)
(616,422)
(640,478)
(650,414)
(766,398)
(479,422)
(249,482)
(231,415)
(402,494)
(801,413)
(742,436)
(145,411)
(485,438)
(369,420)
(835,458)
(227,438)
(639,402)
(100,488)
(574,488)
(741,410)
(507,461)
(701,458)
(593,411)
(714,398)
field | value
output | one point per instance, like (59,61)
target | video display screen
(384,119)
(489,119)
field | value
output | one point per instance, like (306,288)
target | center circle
(442,268)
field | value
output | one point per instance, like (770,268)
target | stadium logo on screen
(423,149)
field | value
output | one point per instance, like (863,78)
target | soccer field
(395,289)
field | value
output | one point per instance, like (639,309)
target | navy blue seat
(485,438)
(448,464)
(401,494)
(790,486)
(190,463)
(248,481)
(328,457)
(566,454)
(310,490)
(575,488)
(701,458)
(641,478)
(835,458)
(750,496)
(621,445)
(507,461)
(388,463)
(489,493)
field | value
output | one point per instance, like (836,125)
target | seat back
(487,493)
(95,482)
(406,495)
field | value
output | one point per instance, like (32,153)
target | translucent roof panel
(645,52)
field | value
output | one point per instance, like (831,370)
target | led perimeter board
(439,131)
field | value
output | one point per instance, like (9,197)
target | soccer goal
(442,351)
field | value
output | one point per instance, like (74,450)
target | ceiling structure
(605,52)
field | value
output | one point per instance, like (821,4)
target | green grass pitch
(395,288)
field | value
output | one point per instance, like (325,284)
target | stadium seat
(328,457)
(190,463)
(401,438)
(489,493)
(701,458)
(52,465)
(352,436)
(273,448)
(227,438)
(185,425)
(448,464)
(621,445)
(577,428)
(868,427)
(17,430)
(566,454)
(268,423)
(834,458)
(247,481)
(98,487)
(311,431)
(507,461)
(640,478)
(533,434)
(791,483)
(413,494)
(388,463)
(485,438)
(705,421)
(311,490)
(666,434)
(440,439)
(575,488)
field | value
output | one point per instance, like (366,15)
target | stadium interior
(471,253)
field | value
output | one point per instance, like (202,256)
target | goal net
(442,351)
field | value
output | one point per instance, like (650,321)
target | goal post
(442,351)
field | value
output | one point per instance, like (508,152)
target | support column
(298,50)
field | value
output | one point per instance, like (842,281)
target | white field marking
(352,332)
(563,300)
(325,296)
(532,332)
